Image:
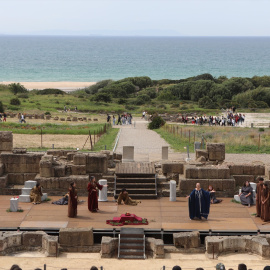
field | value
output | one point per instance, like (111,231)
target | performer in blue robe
(199,203)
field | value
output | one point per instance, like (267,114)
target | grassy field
(108,140)
(237,140)
(47,128)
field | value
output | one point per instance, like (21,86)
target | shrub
(261,129)
(16,88)
(15,101)
(102,97)
(131,107)
(93,89)
(205,76)
(121,101)
(175,105)
(1,107)
(142,99)
(156,123)
(23,95)
(57,102)
(51,91)
(47,113)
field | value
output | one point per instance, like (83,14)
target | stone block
(187,239)
(46,172)
(236,169)
(228,184)
(78,169)
(249,169)
(165,153)
(50,245)
(6,136)
(241,179)
(203,172)
(59,171)
(108,246)
(70,237)
(190,172)
(267,172)
(187,185)
(96,163)
(216,151)
(128,154)
(70,155)
(155,247)
(10,240)
(106,152)
(202,153)
(75,119)
(259,170)
(32,239)
(2,169)
(173,167)
(21,168)
(55,152)
(117,156)
(3,181)
(223,173)
(79,159)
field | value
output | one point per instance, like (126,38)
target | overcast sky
(140,17)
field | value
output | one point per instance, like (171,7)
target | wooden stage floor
(161,213)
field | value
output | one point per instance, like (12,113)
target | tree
(17,88)
(238,85)
(93,89)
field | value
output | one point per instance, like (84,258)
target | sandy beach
(65,86)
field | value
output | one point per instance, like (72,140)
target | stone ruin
(55,169)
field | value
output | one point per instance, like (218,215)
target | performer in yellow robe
(123,196)
(36,194)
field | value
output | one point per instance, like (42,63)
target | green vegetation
(51,128)
(199,94)
(107,139)
(156,122)
(237,140)
(9,211)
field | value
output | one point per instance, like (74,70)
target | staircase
(131,244)
(139,179)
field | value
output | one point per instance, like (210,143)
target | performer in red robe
(92,188)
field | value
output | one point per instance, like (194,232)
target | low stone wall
(217,245)
(11,242)
(21,163)
(173,167)
(187,240)
(76,240)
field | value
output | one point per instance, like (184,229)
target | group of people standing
(92,189)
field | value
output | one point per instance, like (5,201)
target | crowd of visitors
(229,120)
(123,119)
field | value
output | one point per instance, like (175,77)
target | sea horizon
(91,58)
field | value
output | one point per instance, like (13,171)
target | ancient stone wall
(6,141)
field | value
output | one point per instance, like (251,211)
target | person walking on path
(72,200)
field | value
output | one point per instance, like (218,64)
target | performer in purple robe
(199,203)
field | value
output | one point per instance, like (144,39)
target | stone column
(14,205)
(102,196)
(172,190)
(165,152)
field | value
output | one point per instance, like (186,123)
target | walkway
(147,143)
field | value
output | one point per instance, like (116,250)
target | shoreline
(63,85)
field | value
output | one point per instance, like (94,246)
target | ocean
(70,58)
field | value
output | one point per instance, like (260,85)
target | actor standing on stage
(199,203)
(92,188)
(72,201)
(246,195)
(259,190)
(265,211)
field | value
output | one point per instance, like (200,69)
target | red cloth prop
(127,219)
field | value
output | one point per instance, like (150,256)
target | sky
(135,18)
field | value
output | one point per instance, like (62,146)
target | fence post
(45,267)
(41,136)
(91,140)
(259,142)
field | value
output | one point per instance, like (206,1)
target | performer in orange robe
(259,191)
(92,188)
(72,201)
